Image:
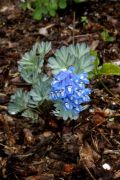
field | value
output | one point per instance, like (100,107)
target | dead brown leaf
(98,119)
(117,175)
(41,177)
(28,136)
(68,168)
(88,156)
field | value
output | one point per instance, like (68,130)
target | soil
(88,148)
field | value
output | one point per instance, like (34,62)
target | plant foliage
(18,102)
(84,20)
(106,36)
(109,69)
(30,66)
(42,8)
(40,91)
(66,88)
(78,56)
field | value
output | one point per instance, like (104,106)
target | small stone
(106,166)
(47,133)
(111,119)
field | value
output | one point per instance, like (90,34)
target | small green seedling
(84,20)
(106,36)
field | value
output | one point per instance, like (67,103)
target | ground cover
(88,148)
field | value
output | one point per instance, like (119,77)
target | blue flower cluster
(70,89)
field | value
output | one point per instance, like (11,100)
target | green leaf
(62,4)
(29,113)
(40,91)
(78,50)
(53,5)
(25,5)
(37,14)
(109,69)
(62,60)
(18,102)
(78,56)
(44,11)
(96,64)
(97,61)
(44,48)
(60,112)
(85,63)
(57,64)
(30,66)
(62,54)
(106,37)
(79,1)
(84,20)
(52,12)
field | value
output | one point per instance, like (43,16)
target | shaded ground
(52,149)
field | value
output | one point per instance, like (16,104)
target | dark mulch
(52,149)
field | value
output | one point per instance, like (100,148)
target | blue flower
(67,104)
(70,89)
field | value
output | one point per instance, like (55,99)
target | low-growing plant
(106,36)
(66,88)
(40,8)
(84,20)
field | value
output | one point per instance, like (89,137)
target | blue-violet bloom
(69,88)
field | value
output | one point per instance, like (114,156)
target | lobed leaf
(109,69)
(78,56)
(60,112)
(18,102)
(37,14)
(29,113)
(30,66)
(44,48)
(40,91)
(62,4)
(78,50)
(85,63)
(62,60)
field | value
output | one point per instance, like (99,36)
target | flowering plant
(68,89)
(68,85)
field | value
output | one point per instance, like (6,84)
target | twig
(109,151)
(3,107)
(106,88)
(73,28)
(89,172)
(105,138)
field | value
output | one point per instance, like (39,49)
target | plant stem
(106,88)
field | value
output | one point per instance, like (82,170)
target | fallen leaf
(117,175)
(47,133)
(88,156)
(53,123)
(98,119)
(68,168)
(44,30)
(94,44)
(28,136)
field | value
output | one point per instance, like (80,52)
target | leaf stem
(106,88)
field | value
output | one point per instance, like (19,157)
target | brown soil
(52,149)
